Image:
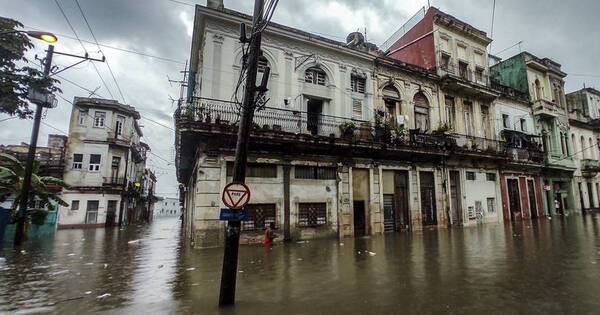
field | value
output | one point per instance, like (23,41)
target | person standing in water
(269,235)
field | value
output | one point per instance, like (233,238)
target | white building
(167,207)
(105,166)
(584,114)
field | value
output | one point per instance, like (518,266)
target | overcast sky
(565,31)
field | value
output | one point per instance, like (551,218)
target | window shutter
(357,109)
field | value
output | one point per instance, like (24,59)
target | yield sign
(236,195)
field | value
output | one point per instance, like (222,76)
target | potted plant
(442,128)
(347,129)
(398,134)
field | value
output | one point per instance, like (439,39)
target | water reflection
(530,267)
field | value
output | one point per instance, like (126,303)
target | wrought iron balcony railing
(208,112)
(114,181)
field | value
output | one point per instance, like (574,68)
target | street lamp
(40,103)
(45,36)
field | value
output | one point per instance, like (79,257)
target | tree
(16,78)
(12,172)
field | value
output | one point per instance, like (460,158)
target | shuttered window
(256,170)
(315,76)
(312,214)
(314,172)
(358,84)
(357,109)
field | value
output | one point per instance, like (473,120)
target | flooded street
(534,267)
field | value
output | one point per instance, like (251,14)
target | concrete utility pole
(232,237)
(20,229)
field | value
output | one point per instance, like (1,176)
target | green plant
(399,133)
(12,173)
(348,126)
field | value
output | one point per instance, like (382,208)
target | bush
(38,216)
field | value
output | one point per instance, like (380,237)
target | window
(259,217)
(315,75)
(470,175)
(256,170)
(485,121)
(82,117)
(463,69)
(538,89)
(479,74)
(262,64)
(77,161)
(505,121)
(523,124)
(491,205)
(91,216)
(312,214)
(450,113)
(74,205)
(314,172)
(490,176)
(468,108)
(357,109)
(94,162)
(357,84)
(421,112)
(445,62)
(119,125)
(99,118)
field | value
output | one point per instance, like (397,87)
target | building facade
(584,114)
(105,167)
(543,81)
(353,141)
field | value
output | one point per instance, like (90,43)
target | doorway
(111,213)
(389,215)
(401,200)
(314,109)
(532,200)
(514,199)
(114,172)
(590,195)
(428,208)
(359,218)
(455,198)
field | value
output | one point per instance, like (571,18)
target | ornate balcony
(546,108)
(298,132)
(589,167)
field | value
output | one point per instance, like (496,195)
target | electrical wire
(82,46)
(100,49)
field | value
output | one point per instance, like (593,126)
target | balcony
(546,108)
(466,81)
(589,167)
(116,182)
(298,132)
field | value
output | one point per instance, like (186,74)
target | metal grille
(256,170)
(315,76)
(259,216)
(314,172)
(312,214)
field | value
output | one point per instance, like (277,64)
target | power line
(116,48)
(59,130)
(82,46)
(100,49)
(79,86)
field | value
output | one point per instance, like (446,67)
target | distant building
(167,207)
(106,167)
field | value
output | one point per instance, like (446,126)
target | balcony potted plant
(347,129)
(399,134)
(383,128)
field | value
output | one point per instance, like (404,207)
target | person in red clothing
(269,235)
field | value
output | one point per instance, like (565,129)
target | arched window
(574,144)
(391,99)
(421,112)
(315,75)
(562,143)
(557,96)
(583,149)
(538,89)
(591,148)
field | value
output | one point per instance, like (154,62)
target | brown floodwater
(541,267)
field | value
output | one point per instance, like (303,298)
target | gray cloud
(562,30)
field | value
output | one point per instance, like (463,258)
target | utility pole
(232,236)
(20,231)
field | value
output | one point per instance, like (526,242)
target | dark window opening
(259,217)
(312,214)
(256,170)
(315,172)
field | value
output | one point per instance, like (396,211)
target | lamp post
(40,100)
